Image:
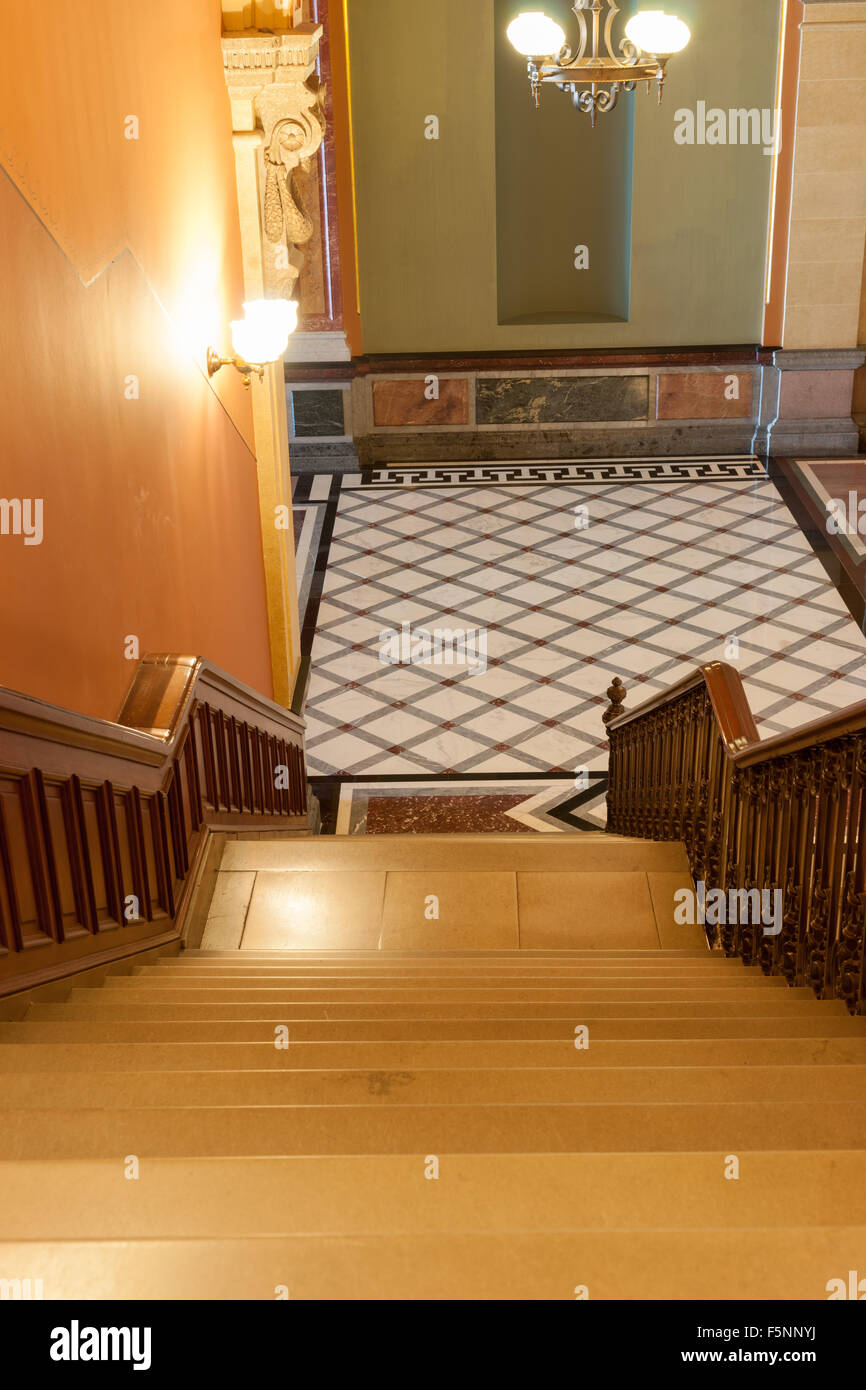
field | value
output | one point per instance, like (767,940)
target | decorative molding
(327,346)
(260,54)
(819,359)
(273,91)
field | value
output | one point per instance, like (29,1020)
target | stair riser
(578,1084)
(360,1000)
(382,1030)
(242,994)
(712,968)
(371,1129)
(485,957)
(397,1056)
(575,1011)
(459,984)
(703,1265)
(359,1196)
(457,854)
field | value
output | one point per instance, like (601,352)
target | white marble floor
(663,577)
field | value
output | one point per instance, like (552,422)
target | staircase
(436,1127)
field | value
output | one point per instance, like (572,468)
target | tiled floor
(665,575)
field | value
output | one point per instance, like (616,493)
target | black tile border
(547,472)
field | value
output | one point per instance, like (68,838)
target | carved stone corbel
(274,91)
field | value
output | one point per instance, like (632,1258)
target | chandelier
(596,80)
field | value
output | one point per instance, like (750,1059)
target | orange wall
(122,258)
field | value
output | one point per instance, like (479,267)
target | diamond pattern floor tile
(663,577)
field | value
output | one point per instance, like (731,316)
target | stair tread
(178,1131)
(576,1083)
(756,1263)
(359,1195)
(558,1166)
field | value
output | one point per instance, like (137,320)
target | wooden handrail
(103,824)
(736,722)
(784,815)
(725,688)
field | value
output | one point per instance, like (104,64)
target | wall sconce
(259,338)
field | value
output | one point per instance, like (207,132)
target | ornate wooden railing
(102,825)
(786,814)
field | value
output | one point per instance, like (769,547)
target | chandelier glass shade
(594,73)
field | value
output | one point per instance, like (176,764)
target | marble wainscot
(703,402)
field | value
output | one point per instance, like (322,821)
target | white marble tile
(739,533)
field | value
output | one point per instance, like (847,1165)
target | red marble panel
(704,396)
(816,395)
(443,815)
(404,403)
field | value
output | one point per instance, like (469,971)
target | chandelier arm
(584,32)
(613,11)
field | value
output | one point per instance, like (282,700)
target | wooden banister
(786,814)
(102,824)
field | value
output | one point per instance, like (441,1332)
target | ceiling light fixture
(596,80)
(259,338)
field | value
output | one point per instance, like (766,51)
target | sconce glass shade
(263,334)
(535,35)
(658,33)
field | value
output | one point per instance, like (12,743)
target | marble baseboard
(819,359)
(312,456)
(607,441)
(809,438)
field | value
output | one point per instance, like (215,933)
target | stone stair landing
(505,892)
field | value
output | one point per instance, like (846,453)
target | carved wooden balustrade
(787,813)
(102,826)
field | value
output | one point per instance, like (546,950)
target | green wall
(427,209)
(555,193)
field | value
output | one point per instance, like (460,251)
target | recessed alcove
(560,185)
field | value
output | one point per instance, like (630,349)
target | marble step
(392,975)
(226,1131)
(745,1052)
(426,958)
(407,1000)
(132,988)
(709,1025)
(338,854)
(358,1195)
(755,1263)
(575,1010)
(575,1082)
